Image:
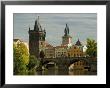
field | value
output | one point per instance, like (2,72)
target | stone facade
(61,51)
(49,51)
(37,39)
(75,51)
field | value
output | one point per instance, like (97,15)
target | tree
(91,48)
(32,62)
(21,58)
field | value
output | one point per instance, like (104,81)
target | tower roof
(37,25)
(78,43)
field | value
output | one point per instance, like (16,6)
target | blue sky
(81,25)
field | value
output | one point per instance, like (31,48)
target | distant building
(37,40)
(75,51)
(66,39)
(49,51)
(61,51)
(38,46)
(79,45)
(84,50)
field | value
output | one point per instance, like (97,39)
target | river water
(64,72)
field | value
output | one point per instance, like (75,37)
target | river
(64,72)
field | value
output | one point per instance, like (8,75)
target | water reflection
(65,72)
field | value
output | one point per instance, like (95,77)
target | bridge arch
(77,65)
(49,63)
(64,63)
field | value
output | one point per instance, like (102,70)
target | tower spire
(38,18)
(37,25)
(29,28)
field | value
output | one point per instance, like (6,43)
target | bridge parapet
(67,60)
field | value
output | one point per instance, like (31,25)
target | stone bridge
(65,62)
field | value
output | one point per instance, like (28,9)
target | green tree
(21,58)
(33,64)
(91,48)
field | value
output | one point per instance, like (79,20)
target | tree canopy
(21,58)
(91,48)
(33,62)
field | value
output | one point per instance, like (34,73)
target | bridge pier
(63,69)
(93,66)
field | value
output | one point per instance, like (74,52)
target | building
(79,45)
(37,40)
(66,39)
(61,51)
(84,50)
(49,51)
(76,50)
(40,48)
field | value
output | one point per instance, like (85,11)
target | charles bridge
(65,62)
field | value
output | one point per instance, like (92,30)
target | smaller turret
(78,43)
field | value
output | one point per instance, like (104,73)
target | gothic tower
(37,39)
(66,39)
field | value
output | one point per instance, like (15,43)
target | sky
(81,25)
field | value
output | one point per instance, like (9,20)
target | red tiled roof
(48,45)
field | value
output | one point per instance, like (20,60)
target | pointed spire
(44,30)
(66,25)
(29,28)
(38,18)
(37,25)
(78,43)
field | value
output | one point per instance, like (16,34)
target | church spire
(37,25)
(78,43)
(38,18)
(29,28)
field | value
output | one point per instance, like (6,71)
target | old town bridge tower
(37,39)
